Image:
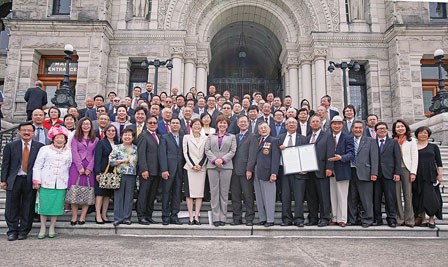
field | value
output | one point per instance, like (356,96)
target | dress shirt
(317,135)
(336,139)
(285,143)
(303,128)
(40,133)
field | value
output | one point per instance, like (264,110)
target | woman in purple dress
(83,157)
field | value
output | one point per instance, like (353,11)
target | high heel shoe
(72,223)
(97,222)
(196,222)
(81,222)
(106,221)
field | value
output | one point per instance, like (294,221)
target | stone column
(307,78)
(201,75)
(189,74)
(177,54)
(319,66)
(293,81)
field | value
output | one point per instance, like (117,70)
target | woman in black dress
(102,151)
(425,190)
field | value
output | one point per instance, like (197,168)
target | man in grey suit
(364,173)
(148,169)
(318,183)
(389,171)
(295,183)
(242,184)
(171,166)
(17,179)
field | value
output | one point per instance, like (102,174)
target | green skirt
(50,201)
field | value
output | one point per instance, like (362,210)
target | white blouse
(51,168)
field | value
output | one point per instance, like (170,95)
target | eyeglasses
(381,128)
(116,100)
(151,122)
(226,108)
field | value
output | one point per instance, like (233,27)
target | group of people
(215,144)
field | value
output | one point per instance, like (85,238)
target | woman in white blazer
(195,161)
(409,160)
(50,178)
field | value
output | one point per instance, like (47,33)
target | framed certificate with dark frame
(298,159)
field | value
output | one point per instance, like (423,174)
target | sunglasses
(152,122)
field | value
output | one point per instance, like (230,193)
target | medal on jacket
(266,147)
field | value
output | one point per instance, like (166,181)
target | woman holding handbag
(83,151)
(50,177)
(102,152)
(124,157)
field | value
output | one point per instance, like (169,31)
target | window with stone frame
(137,77)
(438,11)
(358,92)
(430,81)
(61,7)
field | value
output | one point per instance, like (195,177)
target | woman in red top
(54,113)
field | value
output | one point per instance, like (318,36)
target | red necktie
(261,142)
(167,127)
(188,127)
(101,135)
(155,137)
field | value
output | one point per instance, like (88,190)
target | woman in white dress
(194,153)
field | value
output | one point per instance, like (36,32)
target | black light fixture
(440,100)
(157,63)
(344,65)
(64,97)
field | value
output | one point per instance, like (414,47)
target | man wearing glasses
(148,162)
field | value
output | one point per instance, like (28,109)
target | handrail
(7,136)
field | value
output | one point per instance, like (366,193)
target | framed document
(298,159)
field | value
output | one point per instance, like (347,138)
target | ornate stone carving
(140,8)
(320,52)
(306,57)
(189,55)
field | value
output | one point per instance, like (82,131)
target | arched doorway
(245,58)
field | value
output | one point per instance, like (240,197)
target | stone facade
(389,40)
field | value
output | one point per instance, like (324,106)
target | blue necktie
(241,138)
(277,128)
(356,144)
(381,145)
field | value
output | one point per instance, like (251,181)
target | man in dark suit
(253,119)
(266,170)
(148,168)
(171,166)
(330,110)
(292,183)
(147,96)
(242,183)
(139,126)
(371,121)
(164,124)
(200,107)
(17,179)
(340,181)
(266,115)
(389,171)
(304,124)
(318,183)
(99,102)
(278,127)
(364,173)
(90,104)
(35,98)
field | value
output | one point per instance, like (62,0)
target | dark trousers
(293,185)
(29,114)
(19,211)
(360,195)
(386,186)
(171,194)
(318,198)
(146,197)
(123,197)
(242,190)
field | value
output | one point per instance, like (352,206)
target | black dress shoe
(236,223)
(322,223)
(365,225)
(311,223)
(196,222)
(377,223)
(175,221)
(430,225)
(286,224)
(151,221)
(216,224)
(128,222)
(269,224)
(12,237)
(116,223)
(22,237)
(262,222)
(106,221)
(249,224)
(299,224)
(392,225)
(143,222)
(222,223)
(165,222)
(97,222)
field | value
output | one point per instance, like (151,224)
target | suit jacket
(345,148)
(409,154)
(82,112)
(300,140)
(102,151)
(246,154)
(332,113)
(345,128)
(83,150)
(194,151)
(308,128)
(12,162)
(255,130)
(91,114)
(366,160)
(324,150)
(268,158)
(171,155)
(183,127)
(148,154)
(271,121)
(161,128)
(145,95)
(47,141)
(367,132)
(389,159)
(35,98)
(274,129)
(226,152)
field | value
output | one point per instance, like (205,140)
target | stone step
(64,229)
